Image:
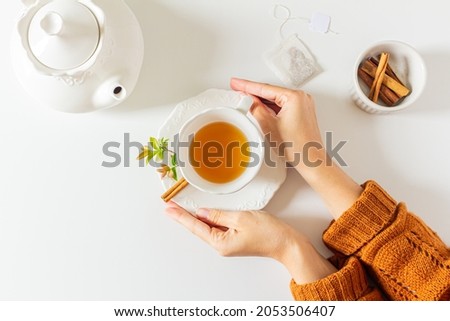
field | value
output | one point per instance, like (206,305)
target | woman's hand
(255,233)
(289,117)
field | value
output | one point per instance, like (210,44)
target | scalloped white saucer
(256,194)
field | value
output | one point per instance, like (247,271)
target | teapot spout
(110,94)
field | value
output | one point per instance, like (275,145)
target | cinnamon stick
(379,75)
(386,95)
(370,68)
(174,190)
(389,70)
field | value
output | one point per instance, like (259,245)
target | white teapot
(78,55)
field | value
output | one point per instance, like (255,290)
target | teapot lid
(63,35)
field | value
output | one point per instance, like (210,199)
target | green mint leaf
(154,143)
(144,153)
(174,173)
(163,143)
(174,160)
(151,154)
(159,154)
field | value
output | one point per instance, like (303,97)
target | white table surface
(73,230)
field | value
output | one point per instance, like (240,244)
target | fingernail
(203,212)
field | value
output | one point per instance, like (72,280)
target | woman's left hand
(232,233)
(255,233)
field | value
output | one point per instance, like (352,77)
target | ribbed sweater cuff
(347,284)
(370,214)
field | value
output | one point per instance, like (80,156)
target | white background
(73,230)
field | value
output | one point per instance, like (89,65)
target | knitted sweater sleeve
(405,258)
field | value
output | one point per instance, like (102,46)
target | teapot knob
(52,24)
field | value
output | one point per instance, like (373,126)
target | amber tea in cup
(219,152)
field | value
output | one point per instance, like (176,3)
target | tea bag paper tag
(291,62)
(320,22)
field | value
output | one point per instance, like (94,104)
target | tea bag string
(278,11)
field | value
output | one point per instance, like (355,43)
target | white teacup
(236,117)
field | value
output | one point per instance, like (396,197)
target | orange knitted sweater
(379,239)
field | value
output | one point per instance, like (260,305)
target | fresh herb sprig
(158,150)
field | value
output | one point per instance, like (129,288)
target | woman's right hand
(288,116)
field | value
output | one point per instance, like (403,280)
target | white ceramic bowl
(238,119)
(406,63)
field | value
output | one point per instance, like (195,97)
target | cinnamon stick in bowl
(386,95)
(394,94)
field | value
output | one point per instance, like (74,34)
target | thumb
(264,115)
(218,217)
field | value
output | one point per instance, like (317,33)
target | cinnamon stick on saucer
(174,190)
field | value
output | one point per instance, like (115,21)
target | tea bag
(292,62)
